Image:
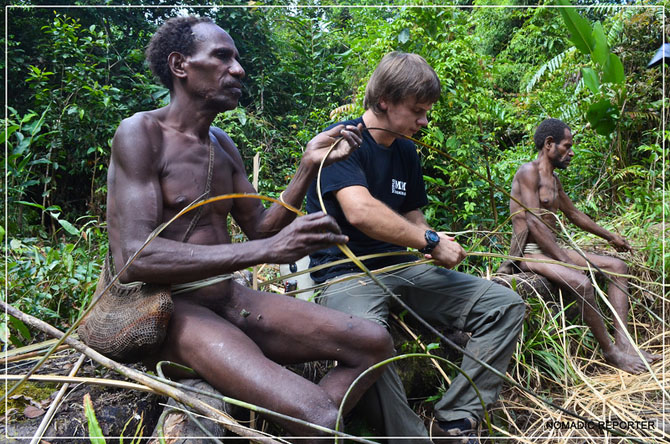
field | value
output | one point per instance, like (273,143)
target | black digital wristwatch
(432,239)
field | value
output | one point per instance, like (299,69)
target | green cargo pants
(491,312)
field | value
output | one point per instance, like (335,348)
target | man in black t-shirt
(376,197)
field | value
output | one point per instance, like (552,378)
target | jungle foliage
(74,73)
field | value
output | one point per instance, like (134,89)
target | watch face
(432,237)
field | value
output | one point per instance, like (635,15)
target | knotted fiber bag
(130,321)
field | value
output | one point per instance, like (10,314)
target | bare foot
(625,361)
(650,357)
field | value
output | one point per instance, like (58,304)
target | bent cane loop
(405,356)
(433,330)
(195,204)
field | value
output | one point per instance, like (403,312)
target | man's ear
(548,141)
(383,105)
(176,62)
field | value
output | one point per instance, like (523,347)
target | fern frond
(346,108)
(568,112)
(644,115)
(552,65)
(579,86)
(618,25)
(605,9)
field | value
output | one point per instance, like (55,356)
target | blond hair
(398,76)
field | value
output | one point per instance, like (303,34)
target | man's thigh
(605,262)
(439,295)
(565,277)
(447,296)
(230,360)
(359,296)
(289,330)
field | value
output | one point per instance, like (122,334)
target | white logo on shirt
(398,187)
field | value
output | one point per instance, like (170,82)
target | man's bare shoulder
(527,168)
(141,132)
(140,124)
(527,172)
(226,142)
(222,137)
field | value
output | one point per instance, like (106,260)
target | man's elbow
(357,217)
(135,271)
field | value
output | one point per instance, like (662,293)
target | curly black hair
(175,35)
(549,127)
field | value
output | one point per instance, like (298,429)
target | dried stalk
(56,403)
(82,380)
(173,389)
(160,387)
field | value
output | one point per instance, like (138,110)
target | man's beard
(561,164)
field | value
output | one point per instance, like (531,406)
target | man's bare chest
(189,173)
(548,193)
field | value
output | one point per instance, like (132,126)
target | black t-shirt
(392,175)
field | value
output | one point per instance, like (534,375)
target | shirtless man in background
(160,163)
(538,188)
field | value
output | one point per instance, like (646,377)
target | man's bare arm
(378,221)
(258,222)
(584,222)
(525,188)
(417,218)
(135,208)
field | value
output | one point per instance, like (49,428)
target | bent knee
(508,297)
(620,267)
(516,307)
(323,415)
(582,286)
(378,343)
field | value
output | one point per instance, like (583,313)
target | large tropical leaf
(613,72)
(591,80)
(600,48)
(581,34)
(602,117)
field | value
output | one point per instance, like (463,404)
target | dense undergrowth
(74,74)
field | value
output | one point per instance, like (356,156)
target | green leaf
(602,117)
(28,117)
(613,72)
(94,430)
(21,328)
(601,49)
(68,227)
(30,204)
(579,28)
(591,80)
(4,332)
(432,346)
(4,135)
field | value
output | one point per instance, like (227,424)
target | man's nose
(422,121)
(236,70)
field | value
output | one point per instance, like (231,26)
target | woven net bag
(130,321)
